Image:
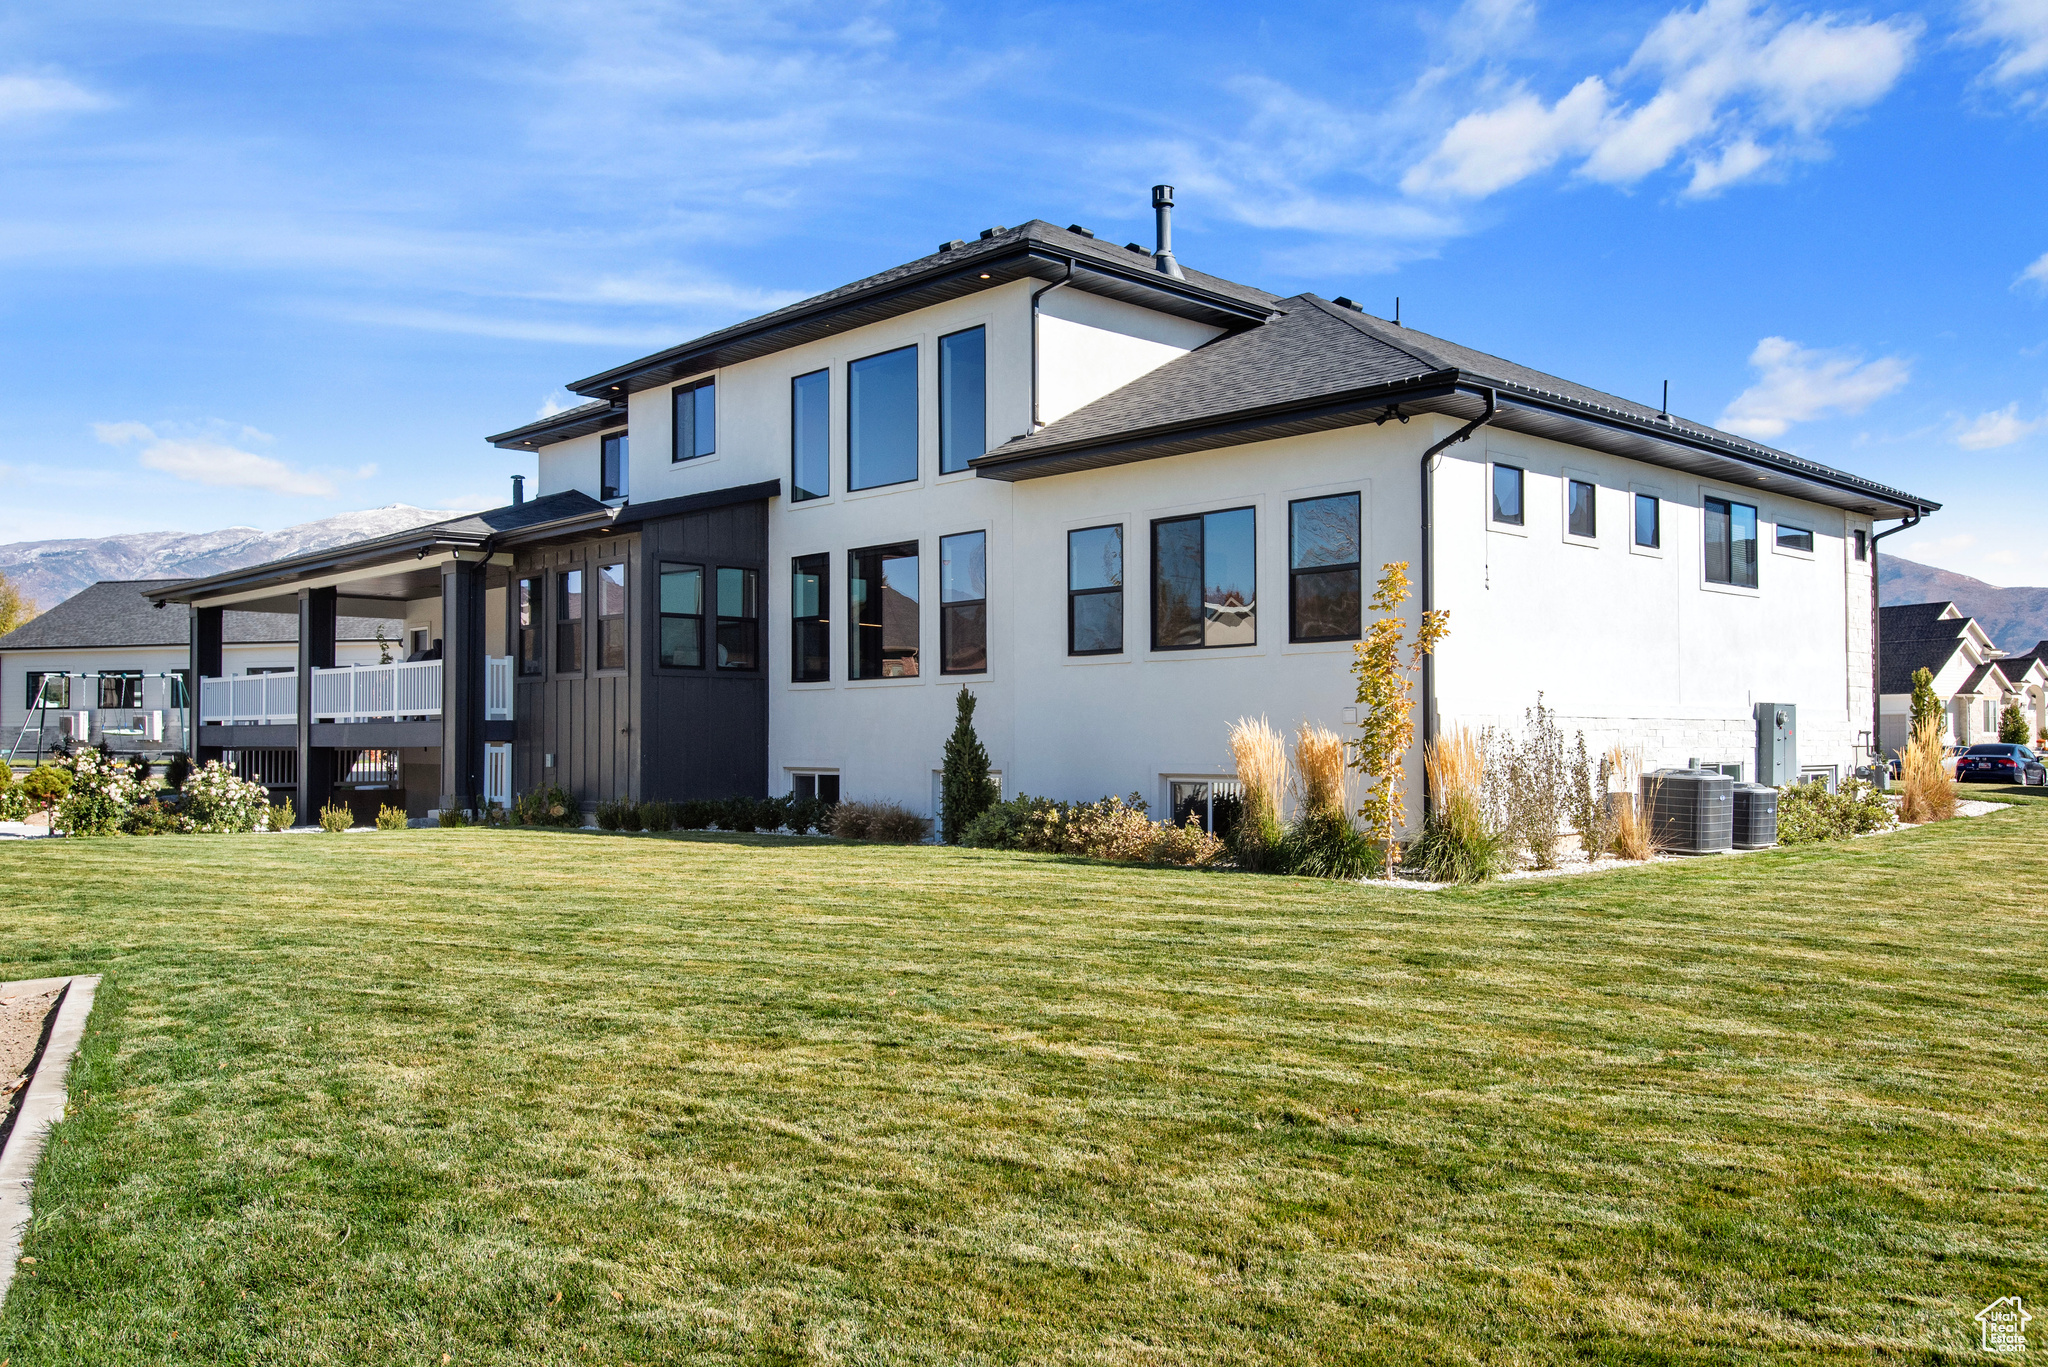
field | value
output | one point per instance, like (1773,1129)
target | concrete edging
(41,1107)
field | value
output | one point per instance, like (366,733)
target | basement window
(822,786)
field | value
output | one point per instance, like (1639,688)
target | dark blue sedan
(2001,764)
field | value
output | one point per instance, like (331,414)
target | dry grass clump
(1629,820)
(1319,759)
(1927,788)
(1261,757)
(888,822)
(1459,843)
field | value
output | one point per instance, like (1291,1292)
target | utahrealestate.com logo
(2005,1323)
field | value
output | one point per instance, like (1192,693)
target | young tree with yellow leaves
(1386,683)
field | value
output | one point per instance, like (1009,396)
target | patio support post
(317,610)
(462,682)
(206,663)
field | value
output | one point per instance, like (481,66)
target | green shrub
(46,785)
(390,818)
(101,792)
(1114,828)
(1808,812)
(889,822)
(335,818)
(453,818)
(177,771)
(1325,844)
(739,814)
(658,816)
(549,806)
(774,813)
(152,817)
(1457,845)
(1011,824)
(696,814)
(611,815)
(2012,725)
(1258,842)
(283,816)
(965,788)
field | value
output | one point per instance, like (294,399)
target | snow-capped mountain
(51,571)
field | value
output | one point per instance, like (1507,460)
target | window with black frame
(121,688)
(1731,542)
(529,610)
(1794,538)
(810,436)
(611,616)
(963,603)
(882,600)
(1095,591)
(810,645)
(739,618)
(1205,581)
(1581,509)
(963,399)
(1507,495)
(1324,551)
(681,595)
(1649,522)
(569,621)
(46,690)
(881,419)
(615,465)
(695,429)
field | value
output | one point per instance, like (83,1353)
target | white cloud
(2037,274)
(23,97)
(1999,427)
(1798,384)
(206,458)
(1736,90)
(560,401)
(2020,28)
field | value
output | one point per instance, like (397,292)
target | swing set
(51,698)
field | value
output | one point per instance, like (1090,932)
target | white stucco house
(1123,501)
(1974,679)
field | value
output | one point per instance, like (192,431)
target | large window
(739,618)
(1095,591)
(121,688)
(615,463)
(881,419)
(1581,508)
(963,603)
(882,598)
(48,690)
(1794,538)
(810,436)
(569,622)
(696,420)
(529,609)
(810,649)
(1323,554)
(1507,494)
(1205,581)
(611,616)
(682,616)
(1731,543)
(963,399)
(1649,521)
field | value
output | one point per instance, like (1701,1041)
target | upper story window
(528,607)
(881,419)
(1095,591)
(1862,544)
(1794,538)
(963,399)
(1507,494)
(696,420)
(739,618)
(882,602)
(1731,543)
(1205,581)
(682,616)
(1581,507)
(569,622)
(613,475)
(1649,521)
(963,603)
(810,648)
(810,436)
(1324,543)
(611,616)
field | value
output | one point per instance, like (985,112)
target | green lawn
(553,1098)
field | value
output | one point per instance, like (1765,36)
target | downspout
(1036,295)
(1425,477)
(1876,646)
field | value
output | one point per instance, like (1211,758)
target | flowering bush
(102,790)
(218,802)
(1113,828)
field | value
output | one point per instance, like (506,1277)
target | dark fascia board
(635,513)
(560,427)
(945,280)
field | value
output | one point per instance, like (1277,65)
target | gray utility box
(1691,811)
(1756,816)
(1777,743)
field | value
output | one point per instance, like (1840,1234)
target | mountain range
(48,572)
(2014,618)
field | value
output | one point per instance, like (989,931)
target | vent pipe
(518,490)
(1162,256)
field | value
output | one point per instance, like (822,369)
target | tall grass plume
(1927,788)
(1458,843)
(1261,755)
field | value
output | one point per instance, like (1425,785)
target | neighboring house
(1973,678)
(113,630)
(1125,503)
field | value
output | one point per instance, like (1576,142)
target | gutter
(1877,644)
(1037,295)
(1426,476)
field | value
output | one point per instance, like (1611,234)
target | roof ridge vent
(955,245)
(1077,228)
(987,233)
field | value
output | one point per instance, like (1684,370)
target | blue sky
(262,263)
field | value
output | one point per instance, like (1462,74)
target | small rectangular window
(50,691)
(1862,544)
(1205,581)
(615,465)
(810,436)
(1324,547)
(1507,495)
(611,616)
(739,618)
(121,688)
(882,612)
(823,787)
(1581,509)
(682,616)
(810,645)
(1794,538)
(695,432)
(963,399)
(1649,521)
(1214,805)
(529,610)
(1095,591)
(1730,542)
(569,622)
(963,603)
(881,419)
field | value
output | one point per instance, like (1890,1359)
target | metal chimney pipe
(518,490)
(1162,208)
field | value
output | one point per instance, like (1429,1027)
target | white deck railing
(497,688)
(250,700)
(378,692)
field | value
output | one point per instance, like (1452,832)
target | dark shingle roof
(118,612)
(2017,663)
(580,421)
(1915,636)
